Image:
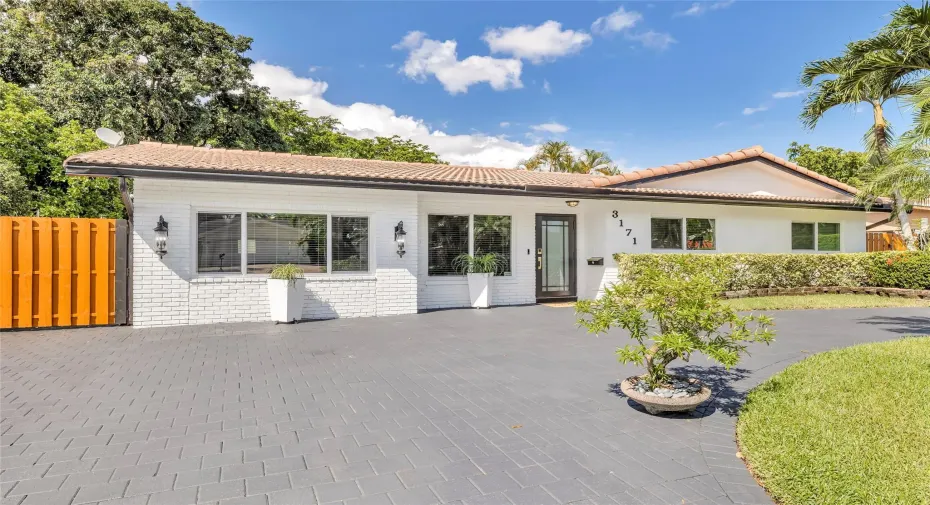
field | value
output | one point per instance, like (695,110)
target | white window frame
(244,242)
(684,234)
(471,239)
(816,225)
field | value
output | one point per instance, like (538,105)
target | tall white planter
(479,289)
(286,299)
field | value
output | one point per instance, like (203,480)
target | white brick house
(233,214)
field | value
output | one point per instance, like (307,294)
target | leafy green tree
(671,315)
(845,166)
(31,145)
(16,199)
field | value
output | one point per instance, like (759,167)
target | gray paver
(498,406)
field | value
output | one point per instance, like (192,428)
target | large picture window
(304,240)
(666,233)
(219,238)
(277,239)
(492,235)
(350,244)
(448,238)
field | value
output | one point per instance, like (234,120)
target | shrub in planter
(672,315)
(479,270)
(286,293)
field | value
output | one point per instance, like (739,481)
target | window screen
(802,236)
(448,238)
(277,239)
(350,244)
(492,235)
(828,236)
(218,243)
(701,234)
(666,233)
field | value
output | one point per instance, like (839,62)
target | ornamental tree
(671,315)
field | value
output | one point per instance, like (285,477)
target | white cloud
(313,68)
(748,111)
(431,57)
(788,94)
(504,124)
(652,39)
(366,120)
(698,8)
(536,43)
(616,21)
(549,128)
(546,87)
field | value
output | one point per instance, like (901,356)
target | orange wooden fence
(60,272)
(883,241)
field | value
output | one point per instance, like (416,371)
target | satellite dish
(109,137)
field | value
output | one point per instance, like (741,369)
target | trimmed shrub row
(908,270)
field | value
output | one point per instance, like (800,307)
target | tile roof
(156,157)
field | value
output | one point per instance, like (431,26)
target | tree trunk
(880,131)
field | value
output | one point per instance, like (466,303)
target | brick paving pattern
(506,406)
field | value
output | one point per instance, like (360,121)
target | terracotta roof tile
(156,157)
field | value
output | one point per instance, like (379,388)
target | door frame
(572,293)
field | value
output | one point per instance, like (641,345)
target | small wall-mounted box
(596,261)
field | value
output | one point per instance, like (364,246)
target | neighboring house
(233,214)
(885,222)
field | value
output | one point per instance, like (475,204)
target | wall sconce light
(571,203)
(399,237)
(161,237)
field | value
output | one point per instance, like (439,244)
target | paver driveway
(510,405)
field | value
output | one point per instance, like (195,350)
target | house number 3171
(616,215)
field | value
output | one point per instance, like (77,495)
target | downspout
(127,203)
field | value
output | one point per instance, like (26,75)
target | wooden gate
(62,272)
(883,241)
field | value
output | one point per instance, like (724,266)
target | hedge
(908,270)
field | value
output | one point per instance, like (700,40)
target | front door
(555,256)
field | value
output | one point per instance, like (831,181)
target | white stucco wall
(168,291)
(746,178)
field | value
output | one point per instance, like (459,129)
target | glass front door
(555,256)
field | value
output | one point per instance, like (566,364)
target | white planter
(286,299)
(479,289)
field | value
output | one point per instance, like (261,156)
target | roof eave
(77,168)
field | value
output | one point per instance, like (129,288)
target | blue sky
(481,83)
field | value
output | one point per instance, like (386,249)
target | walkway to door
(509,405)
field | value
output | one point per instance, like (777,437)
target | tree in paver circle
(672,313)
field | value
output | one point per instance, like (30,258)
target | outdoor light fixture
(571,203)
(161,237)
(399,235)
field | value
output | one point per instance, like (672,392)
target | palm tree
(592,161)
(845,85)
(556,155)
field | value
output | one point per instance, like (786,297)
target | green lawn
(850,426)
(823,301)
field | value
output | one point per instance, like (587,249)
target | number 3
(615,214)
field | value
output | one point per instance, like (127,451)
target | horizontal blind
(492,235)
(218,242)
(278,239)
(666,233)
(448,238)
(350,244)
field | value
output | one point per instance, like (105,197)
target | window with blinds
(701,234)
(802,236)
(492,235)
(219,238)
(277,239)
(350,244)
(666,233)
(447,239)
